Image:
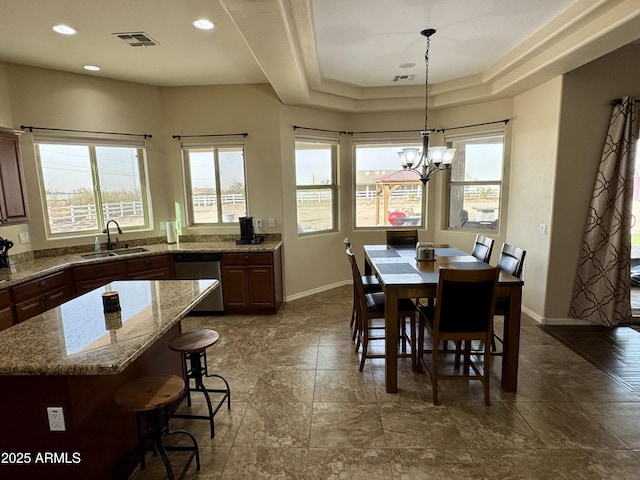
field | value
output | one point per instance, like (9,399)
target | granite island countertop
(77,338)
(28,270)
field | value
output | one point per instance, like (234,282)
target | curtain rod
(32,128)
(391,131)
(505,121)
(244,134)
(341,132)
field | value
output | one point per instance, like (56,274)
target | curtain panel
(601,292)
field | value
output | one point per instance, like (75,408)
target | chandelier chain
(426,84)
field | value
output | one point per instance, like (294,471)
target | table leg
(391,340)
(511,345)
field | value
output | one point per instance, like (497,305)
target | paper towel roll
(171,232)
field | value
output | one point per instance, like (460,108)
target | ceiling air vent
(404,78)
(136,39)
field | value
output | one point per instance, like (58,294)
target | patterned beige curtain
(601,291)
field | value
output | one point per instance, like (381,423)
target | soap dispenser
(97,248)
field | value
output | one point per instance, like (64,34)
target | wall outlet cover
(56,419)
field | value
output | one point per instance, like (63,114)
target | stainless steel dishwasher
(196,266)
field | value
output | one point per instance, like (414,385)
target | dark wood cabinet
(7,318)
(157,267)
(92,276)
(36,296)
(252,282)
(13,198)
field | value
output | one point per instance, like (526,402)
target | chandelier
(431,159)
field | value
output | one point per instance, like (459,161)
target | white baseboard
(555,321)
(324,288)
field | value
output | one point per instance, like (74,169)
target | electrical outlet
(23,237)
(543,229)
(56,419)
(163,225)
(258,222)
(272,222)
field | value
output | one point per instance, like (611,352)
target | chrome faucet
(106,230)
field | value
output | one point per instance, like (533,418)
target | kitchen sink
(129,251)
(98,255)
(113,253)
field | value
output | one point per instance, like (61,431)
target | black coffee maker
(247,235)
(5,245)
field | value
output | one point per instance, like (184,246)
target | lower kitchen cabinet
(36,296)
(92,276)
(158,267)
(252,282)
(7,318)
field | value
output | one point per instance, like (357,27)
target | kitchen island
(75,357)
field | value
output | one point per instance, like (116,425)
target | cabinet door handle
(42,283)
(98,269)
(147,262)
(246,258)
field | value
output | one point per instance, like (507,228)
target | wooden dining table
(401,275)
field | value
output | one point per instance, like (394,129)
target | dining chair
(402,237)
(511,261)
(370,307)
(370,284)
(482,247)
(463,311)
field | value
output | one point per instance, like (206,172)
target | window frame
(389,141)
(469,137)
(334,144)
(187,185)
(92,144)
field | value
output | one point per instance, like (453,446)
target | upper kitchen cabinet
(13,198)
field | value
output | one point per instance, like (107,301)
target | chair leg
(487,373)
(467,357)
(434,374)
(365,344)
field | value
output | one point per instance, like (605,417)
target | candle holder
(111,302)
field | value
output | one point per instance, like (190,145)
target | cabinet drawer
(39,286)
(100,270)
(36,305)
(247,259)
(5,298)
(147,263)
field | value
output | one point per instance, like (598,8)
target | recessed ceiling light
(64,29)
(91,68)
(203,24)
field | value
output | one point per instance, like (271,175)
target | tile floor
(300,409)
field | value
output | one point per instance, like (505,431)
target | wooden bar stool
(148,398)
(193,347)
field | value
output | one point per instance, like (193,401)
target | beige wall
(533,164)
(5,108)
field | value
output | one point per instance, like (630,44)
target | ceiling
(331,54)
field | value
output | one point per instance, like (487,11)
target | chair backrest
(347,242)
(482,248)
(466,300)
(402,237)
(511,260)
(357,282)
